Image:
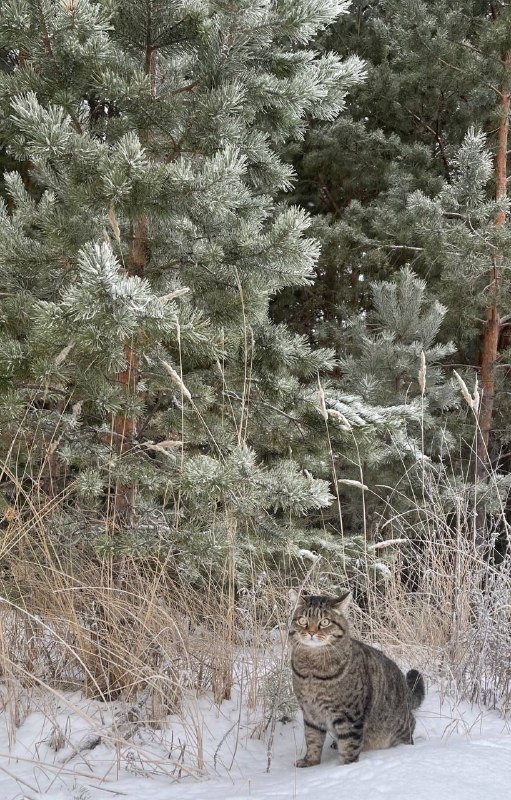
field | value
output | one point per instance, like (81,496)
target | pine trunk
(125,427)
(491,333)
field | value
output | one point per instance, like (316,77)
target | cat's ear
(294,598)
(341,603)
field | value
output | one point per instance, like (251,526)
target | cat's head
(319,620)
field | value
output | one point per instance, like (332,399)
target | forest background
(255,332)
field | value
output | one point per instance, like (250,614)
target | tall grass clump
(446,600)
(445,603)
(121,627)
(433,592)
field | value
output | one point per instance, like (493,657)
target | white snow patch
(461,753)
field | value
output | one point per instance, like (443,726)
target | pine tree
(387,406)
(435,72)
(401,128)
(145,391)
(462,222)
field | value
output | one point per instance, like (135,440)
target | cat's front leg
(314,740)
(350,734)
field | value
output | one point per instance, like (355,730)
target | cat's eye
(302,621)
(324,623)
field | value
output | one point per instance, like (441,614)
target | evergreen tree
(403,125)
(435,72)
(387,405)
(461,222)
(143,385)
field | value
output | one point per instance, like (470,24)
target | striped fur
(345,686)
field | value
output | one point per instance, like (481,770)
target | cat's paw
(343,762)
(303,762)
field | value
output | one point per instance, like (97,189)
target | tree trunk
(125,427)
(491,332)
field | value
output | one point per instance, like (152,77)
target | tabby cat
(345,686)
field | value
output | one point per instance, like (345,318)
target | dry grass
(118,629)
(130,629)
(446,606)
(134,630)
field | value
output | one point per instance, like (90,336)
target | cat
(346,687)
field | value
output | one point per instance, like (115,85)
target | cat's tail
(415,683)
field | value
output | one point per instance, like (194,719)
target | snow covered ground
(67,748)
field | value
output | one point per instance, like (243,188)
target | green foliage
(403,184)
(141,240)
(206,207)
(383,349)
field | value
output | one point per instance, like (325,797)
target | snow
(70,748)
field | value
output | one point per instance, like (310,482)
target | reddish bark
(125,430)
(491,333)
(125,427)
(488,357)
